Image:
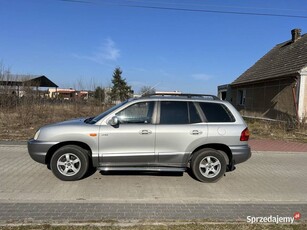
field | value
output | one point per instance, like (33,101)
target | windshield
(105,113)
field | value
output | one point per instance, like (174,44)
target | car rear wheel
(208,165)
(70,163)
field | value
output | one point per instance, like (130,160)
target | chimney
(296,34)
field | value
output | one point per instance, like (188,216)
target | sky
(187,45)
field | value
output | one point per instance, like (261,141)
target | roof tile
(284,59)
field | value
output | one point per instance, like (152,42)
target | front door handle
(145,132)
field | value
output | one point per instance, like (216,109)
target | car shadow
(189,171)
(91,171)
(141,173)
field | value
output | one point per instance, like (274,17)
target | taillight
(244,135)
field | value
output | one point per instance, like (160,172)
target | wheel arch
(225,150)
(54,148)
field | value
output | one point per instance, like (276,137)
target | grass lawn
(162,226)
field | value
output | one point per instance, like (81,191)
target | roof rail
(188,95)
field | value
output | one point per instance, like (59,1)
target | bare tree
(146,90)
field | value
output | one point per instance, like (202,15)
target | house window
(223,95)
(241,96)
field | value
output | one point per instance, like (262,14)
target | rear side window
(174,112)
(216,112)
(178,112)
(194,115)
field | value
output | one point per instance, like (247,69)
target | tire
(208,165)
(70,163)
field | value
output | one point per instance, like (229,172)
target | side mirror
(114,121)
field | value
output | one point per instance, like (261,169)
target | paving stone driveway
(87,212)
(267,184)
(277,145)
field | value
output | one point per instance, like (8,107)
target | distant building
(68,94)
(224,91)
(168,92)
(83,94)
(65,94)
(23,85)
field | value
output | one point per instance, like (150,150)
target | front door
(132,141)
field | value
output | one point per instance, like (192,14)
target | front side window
(138,113)
(215,112)
(102,115)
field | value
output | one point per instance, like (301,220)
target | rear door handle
(145,132)
(196,132)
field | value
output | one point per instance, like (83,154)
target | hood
(76,121)
(73,121)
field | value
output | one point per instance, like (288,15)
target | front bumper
(240,153)
(38,150)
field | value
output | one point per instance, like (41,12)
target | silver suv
(151,133)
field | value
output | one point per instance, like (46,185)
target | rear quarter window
(215,112)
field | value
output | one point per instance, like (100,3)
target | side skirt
(153,169)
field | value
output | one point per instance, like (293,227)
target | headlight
(36,134)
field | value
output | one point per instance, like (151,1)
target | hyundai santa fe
(151,133)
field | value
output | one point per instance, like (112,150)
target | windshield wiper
(88,120)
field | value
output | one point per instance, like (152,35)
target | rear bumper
(240,153)
(38,150)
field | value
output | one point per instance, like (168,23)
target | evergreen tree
(120,90)
(99,94)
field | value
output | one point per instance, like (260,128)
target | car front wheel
(70,163)
(208,165)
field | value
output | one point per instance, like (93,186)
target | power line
(189,9)
(220,6)
(215,11)
(77,1)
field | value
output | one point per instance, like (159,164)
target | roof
(285,59)
(41,81)
(65,90)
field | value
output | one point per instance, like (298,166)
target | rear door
(180,127)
